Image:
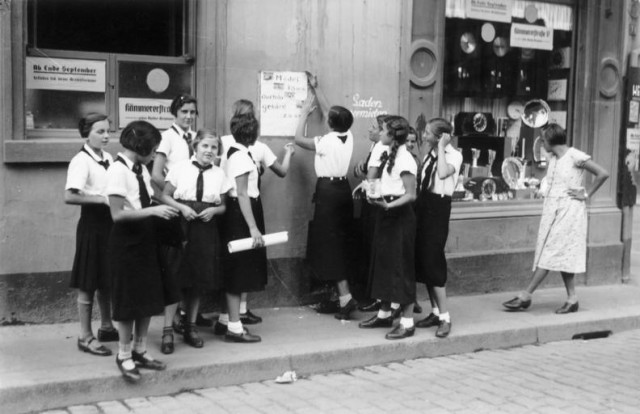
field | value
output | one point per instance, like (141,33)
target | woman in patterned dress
(562,237)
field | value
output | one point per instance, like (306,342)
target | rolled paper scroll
(240,245)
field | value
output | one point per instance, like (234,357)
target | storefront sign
(281,97)
(155,111)
(367,107)
(492,10)
(531,36)
(633,144)
(65,74)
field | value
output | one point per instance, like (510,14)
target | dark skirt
(244,271)
(330,243)
(393,255)
(202,262)
(432,216)
(137,288)
(170,238)
(90,265)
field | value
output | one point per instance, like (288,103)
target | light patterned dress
(562,237)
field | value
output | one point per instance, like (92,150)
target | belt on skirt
(235,199)
(390,198)
(333,178)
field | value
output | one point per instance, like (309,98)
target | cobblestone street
(592,376)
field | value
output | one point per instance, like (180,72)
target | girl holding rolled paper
(244,271)
(392,254)
(197,188)
(437,182)
(264,158)
(329,249)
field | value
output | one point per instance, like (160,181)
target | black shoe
(376,322)
(131,375)
(166,347)
(191,337)
(249,318)
(109,334)
(443,329)
(327,306)
(203,322)
(517,304)
(372,306)
(144,361)
(400,332)
(428,322)
(344,313)
(91,346)
(179,322)
(396,313)
(244,337)
(417,308)
(219,328)
(567,308)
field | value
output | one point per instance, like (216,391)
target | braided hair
(398,129)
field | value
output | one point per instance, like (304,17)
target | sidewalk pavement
(41,368)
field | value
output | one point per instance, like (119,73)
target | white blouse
(85,174)
(240,163)
(174,146)
(391,184)
(122,181)
(184,176)
(332,155)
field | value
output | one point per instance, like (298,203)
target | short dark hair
(439,126)
(244,129)
(181,100)
(86,123)
(242,107)
(554,134)
(339,119)
(140,137)
(412,131)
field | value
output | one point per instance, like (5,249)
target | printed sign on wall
(531,36)
(492,10)
(281,97)
(154,111)
(65,74)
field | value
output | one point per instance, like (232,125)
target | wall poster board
(281,97)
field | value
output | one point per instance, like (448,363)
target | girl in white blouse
(393,249)
(197,188)
(137,290)
(86,180)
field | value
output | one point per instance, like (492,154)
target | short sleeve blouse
(121,181)
(376,154)
(239,163)
(391,184)
(86,174)
(174,146)
(184,177)
(333,155)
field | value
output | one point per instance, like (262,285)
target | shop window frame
(59,145)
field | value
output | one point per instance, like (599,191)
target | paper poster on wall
(558,117)
(492,10)
(65,74)
(154,111)
(557,90)
(281,97)
(531,36)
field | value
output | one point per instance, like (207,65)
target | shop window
(499,55)
(126,58)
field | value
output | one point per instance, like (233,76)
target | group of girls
(144,244)
(405,228)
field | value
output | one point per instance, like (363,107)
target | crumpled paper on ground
(287,378)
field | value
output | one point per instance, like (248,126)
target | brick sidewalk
(599,375)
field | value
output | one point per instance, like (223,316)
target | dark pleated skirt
(432,224)
(202,262)
(393,255)
(137,288)
(330,247)
(170,240)
(90,265)
(243,271)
